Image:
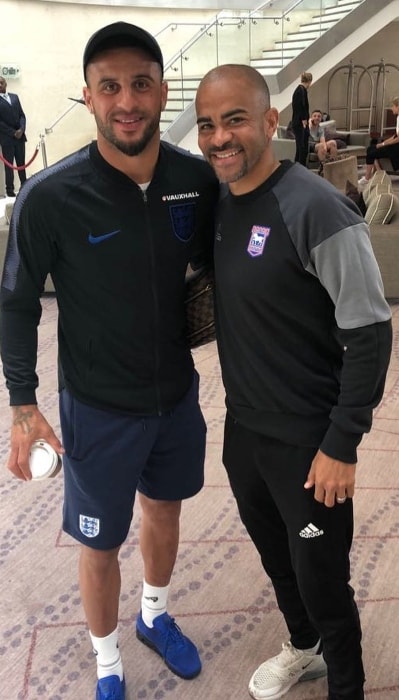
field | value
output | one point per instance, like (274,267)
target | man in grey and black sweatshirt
(304,336)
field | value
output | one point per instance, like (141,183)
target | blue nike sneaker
(167,639)
(110,688)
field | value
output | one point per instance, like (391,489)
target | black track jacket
(118,259)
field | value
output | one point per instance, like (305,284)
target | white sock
(153,602)
(106,649)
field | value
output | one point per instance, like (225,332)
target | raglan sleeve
(27,259)
(347,268)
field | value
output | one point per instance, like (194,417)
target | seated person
(317,139)
(389,148)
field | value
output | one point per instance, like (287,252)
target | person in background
(317,138)
(116,224)
(389,148)
(12,135)
(304,337)
(300,117)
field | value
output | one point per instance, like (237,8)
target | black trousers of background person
(14,151)
(302,143)
(390,151)
(310,575)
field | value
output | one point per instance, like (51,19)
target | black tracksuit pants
(304,548)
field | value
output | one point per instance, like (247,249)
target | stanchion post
(43,149)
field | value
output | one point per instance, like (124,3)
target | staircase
(273,60)
(182,89)
(181,94)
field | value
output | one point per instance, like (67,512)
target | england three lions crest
(90,527)
(257,240)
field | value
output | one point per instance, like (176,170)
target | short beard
(129,149)
(246,168)
(232,178)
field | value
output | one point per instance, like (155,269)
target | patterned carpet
(220,596)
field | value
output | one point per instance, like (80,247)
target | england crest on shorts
(90,527)
(257,240)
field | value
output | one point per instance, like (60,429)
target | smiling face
(126,94)
(316,117)
(235,126)
(3,85)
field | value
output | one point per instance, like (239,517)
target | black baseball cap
(121,34)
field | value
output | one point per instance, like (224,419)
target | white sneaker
(275,676)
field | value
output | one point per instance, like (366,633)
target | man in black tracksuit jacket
(304,337)
(116,225)
(120,302)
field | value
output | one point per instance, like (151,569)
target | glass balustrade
(268,38)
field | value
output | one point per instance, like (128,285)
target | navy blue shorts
(108,456)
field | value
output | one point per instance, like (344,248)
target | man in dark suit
(12,135)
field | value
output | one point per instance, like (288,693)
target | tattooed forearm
(22,416)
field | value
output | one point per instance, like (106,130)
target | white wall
(46,40)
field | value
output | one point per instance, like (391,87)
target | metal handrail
(219,20)
(174,25)
(283,14)
(205,29)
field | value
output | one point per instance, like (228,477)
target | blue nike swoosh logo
(104,237)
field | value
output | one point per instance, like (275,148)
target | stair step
(173,113)
(190,87)
(349,4)
(269,62)
(177,94)
(323,19)
(312,25)
(335,11)
(190,83)
(268,70)
(331,17)
(287,52)
(308,35)
(293,44)
(262,65)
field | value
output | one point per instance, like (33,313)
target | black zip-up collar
(117,177)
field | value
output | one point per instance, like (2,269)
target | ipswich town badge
(257,240)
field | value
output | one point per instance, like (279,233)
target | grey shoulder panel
(347,268)
(332,241)
(312,209)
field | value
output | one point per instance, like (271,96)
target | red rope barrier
(20,167)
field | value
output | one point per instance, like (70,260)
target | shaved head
(236,125)
(240,72)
